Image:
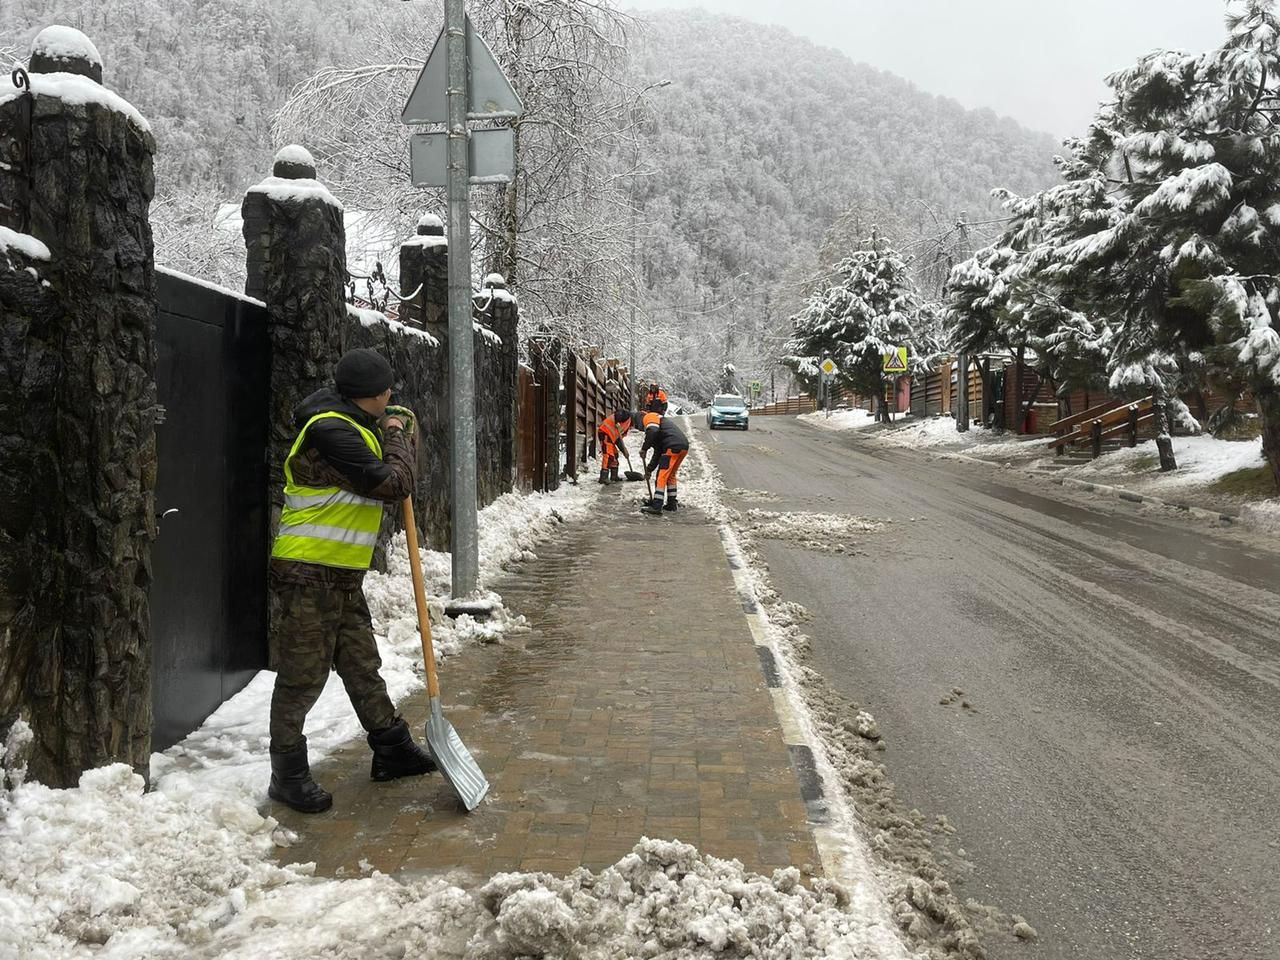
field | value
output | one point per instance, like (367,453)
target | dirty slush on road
(915,853)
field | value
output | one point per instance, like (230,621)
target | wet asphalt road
(1118,780)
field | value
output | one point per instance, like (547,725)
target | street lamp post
(635,230)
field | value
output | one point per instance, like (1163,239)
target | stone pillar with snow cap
(424,272)
(295,244)
(77,414)
(498,309)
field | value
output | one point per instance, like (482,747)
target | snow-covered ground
(229,750)
(839,419)
(933,433)
(1202,460)
(108,870)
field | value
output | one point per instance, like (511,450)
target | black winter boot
(396,754)
(291,783)
(613,474)
(653,507)
(604,476)
(670,505)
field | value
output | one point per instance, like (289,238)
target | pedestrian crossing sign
(896,361)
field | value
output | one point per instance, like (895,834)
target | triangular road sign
(490,95)
(896,362)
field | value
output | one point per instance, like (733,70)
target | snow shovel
(631,474)
(446,747)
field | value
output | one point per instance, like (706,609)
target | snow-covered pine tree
(871,307)
(1191,146)
(1016,294)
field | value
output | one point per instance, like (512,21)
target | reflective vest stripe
(328,525)
(338,535)
(298,502)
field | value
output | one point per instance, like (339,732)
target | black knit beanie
(362,373)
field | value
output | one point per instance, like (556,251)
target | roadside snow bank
(106,870)
(229,751)
(839,419)
(1201,460)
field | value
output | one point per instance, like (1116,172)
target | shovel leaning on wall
(446,747)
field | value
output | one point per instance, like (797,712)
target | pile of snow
(75,89)
(1201,460)
(376,318)
(939,433)
(23,243)
(285,190)
(108,870)
(296,154)
(490,338)
(430,220)
(65,43)
(228,753)
(839,419)
(827,532)
(1262,516)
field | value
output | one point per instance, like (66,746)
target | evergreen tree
(872,307)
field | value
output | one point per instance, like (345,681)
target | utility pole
(460,60)
(635,231)
(462,377)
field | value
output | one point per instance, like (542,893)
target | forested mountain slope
(762,139)
(768,157)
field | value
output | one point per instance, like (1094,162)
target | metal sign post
(829,371)
(461,81)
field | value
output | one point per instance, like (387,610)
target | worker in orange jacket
(610,433)
(670,446)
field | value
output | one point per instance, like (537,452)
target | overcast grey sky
(1039,61)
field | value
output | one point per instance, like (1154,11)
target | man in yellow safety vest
(352,455)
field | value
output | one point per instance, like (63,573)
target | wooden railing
(800,404)
(1111,419)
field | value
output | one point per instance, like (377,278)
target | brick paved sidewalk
(636,706)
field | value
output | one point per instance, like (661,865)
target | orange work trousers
(609,452)
(668,466)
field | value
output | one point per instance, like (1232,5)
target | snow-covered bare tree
(559,232)
(870,308)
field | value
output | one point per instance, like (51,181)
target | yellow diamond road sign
(828,366)
(896,362)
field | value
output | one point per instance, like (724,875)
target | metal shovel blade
(454,759)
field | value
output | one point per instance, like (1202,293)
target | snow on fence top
(25,244)
(295,153)
(65,43)
(430,220)
(372,318)
(208,285)
(488,334)
(427,240)
(75,89)
(280,188)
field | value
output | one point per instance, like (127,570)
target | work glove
(403,414)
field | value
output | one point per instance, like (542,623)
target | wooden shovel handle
(420,599)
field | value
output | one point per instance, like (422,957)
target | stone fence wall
(79,402)
(295,244)
(77,420)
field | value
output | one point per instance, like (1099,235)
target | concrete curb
(834,849)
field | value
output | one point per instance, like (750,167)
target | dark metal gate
(209,587)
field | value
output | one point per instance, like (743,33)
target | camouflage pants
(316,627)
